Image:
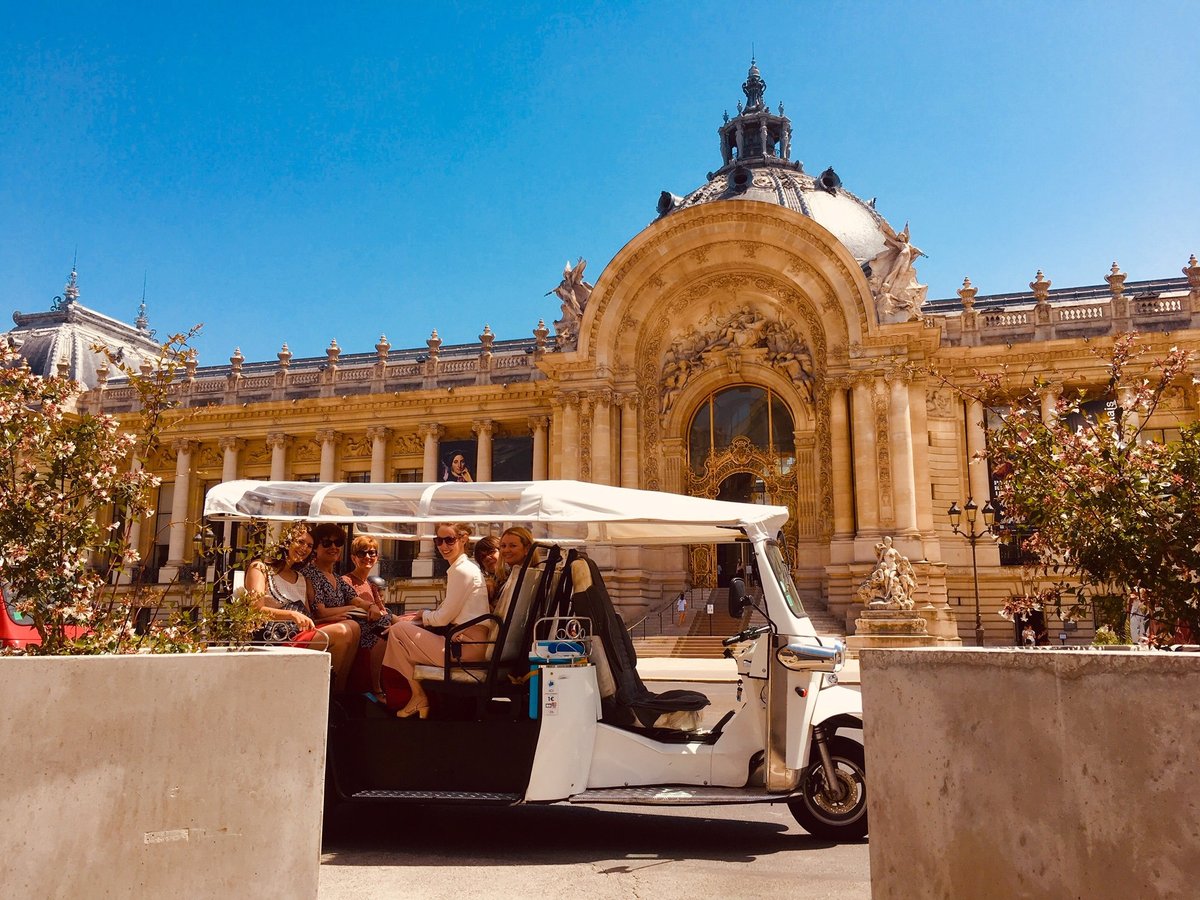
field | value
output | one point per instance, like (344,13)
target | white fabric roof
(552,509)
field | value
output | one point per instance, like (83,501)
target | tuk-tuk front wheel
(819,810)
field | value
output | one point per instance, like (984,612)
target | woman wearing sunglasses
(411,642)
(333,600)
(364,553)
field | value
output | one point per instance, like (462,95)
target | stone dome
(756,151)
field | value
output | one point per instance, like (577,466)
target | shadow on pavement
(403,835)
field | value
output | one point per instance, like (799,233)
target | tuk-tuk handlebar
(746,635)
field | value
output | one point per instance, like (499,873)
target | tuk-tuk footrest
(677,795)
(439,796)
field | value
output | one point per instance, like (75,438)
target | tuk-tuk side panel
(385,753)
(623,758)
(742,738)
(568,705)
(803,691)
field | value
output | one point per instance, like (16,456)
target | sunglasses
(446,541)
(330,542)
(367,553)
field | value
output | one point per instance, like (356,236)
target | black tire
(816,812)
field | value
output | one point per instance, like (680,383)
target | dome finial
(754,88)
(71,291)
(142,323)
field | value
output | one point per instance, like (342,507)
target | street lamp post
(973,536)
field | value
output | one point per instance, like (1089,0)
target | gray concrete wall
(163,776)
(1011,773)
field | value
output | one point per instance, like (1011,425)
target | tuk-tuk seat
(625,701)
(506,654)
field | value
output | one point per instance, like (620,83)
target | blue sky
(291,172)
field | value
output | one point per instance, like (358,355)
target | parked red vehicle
(16,630)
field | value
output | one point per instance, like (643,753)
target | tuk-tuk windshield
(783,575)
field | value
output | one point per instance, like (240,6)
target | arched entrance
(741,447)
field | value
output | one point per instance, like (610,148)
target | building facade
(764,339)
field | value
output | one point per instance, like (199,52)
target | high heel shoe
(421,712)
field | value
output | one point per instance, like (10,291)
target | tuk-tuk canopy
(565,510)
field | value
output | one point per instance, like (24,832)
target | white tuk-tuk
(558,712)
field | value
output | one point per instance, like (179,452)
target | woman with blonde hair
(364,553)
(412,642)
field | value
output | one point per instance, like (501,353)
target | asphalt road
(595,852)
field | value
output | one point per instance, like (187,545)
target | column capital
(570,399)
(838,383)
(482,426)
(538,422)
(278,440)
(431,430)
(183,445)
(229,442)
(630,399)
(605,395)
(898,375)
(329,436)
(378,432)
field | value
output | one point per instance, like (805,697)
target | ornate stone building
(764,339)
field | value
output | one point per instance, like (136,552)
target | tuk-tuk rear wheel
(822,814)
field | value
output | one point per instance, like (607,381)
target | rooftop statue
(574,292)
(893,278)
(892,584)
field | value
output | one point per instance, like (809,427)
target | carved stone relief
(357,447)
(722,336)
(883,457)
(307,451)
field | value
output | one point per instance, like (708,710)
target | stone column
(483,428)
(918,415)
(900,444)
(977,477)
(134,529)
(841,462)
(538,425)
(378,436)
(629,440)
(229,472)
(328,439)
(229,465)
(554,463)
(432,433)
(569,459)
(179,509)
(1049,398)
(278,442)
(602,451)
(866,477)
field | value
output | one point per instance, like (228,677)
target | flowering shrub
(61,472)
(1018,607)
(1106,509)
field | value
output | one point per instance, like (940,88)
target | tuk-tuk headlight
(812,657)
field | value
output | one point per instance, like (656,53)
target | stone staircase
(700,635)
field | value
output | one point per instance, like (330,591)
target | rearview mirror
(737,597)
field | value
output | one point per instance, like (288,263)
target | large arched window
(754,413)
